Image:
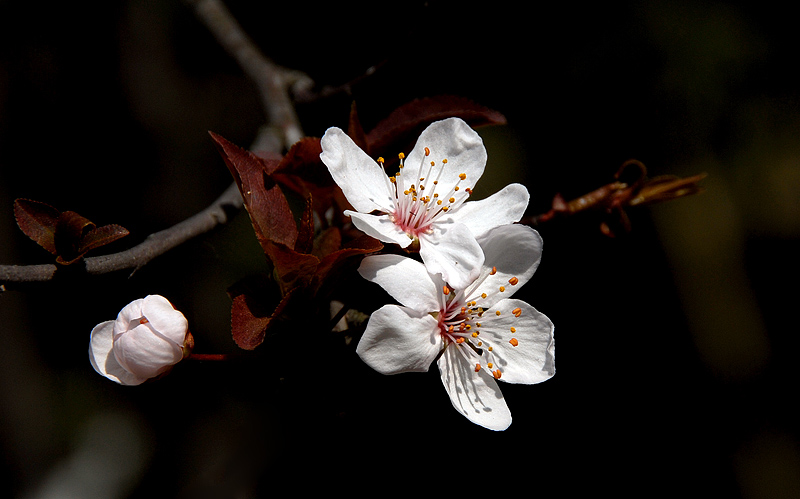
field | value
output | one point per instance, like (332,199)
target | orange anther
(517,312)
(477,367)
(445,290)
(462,176)
(433,163)
(380,160)
(497,313)
(494,271)
(513,342)
(483,295)
(455,188)
(460,340)
(502,288)
(143,320)
(497,374)
(401,155)
(513,329)
(513,281)
(427,152)
(452,200)
(475,334)
(490,365)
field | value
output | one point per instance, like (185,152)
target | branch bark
(135,258)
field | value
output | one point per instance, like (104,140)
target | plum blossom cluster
(455,305)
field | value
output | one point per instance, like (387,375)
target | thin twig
(273,81)
(135,258)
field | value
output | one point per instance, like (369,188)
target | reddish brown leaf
(399,131)
(360,246)
(292,269)
(328,241)
(38,221)
(269,211)
(70,231)
(250,319)
(305,236)
(102,236)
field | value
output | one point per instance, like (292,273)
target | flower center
(461,321)
(417,204)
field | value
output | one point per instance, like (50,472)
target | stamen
(427,152)
(497,374)
(494,271)
(514,342)
(462,176)
(497,313)
(502,288)
(517,312)
(477,367)
(513,329)
(513,281)
(446,290)
(143,320)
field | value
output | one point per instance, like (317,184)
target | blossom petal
(452,140)
(362,180)
(398,340)
(533,359)
(514,251)
(505,206)
(130,314)
(405,279)
(476,395)
(380,227)
(145,353)
(101,356)
(164,319)
(451,250)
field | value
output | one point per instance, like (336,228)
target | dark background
(675,346)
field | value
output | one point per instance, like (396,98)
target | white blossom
(479,334)
(426,200)
(147,338)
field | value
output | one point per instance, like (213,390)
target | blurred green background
(676,370)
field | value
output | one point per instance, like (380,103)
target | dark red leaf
(292,269)
(102,236)
(70,231)
(250,319)
(38,221)
(269,211)
(399,131)
(355,130)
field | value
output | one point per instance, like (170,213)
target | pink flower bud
(148,337)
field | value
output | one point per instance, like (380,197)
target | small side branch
(134,258)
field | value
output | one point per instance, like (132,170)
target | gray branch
(135,258)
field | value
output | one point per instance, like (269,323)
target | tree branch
(135,258)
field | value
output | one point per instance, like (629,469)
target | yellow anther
(401,156)
(452,200)
(513,341)
(497,374)
(490,349)
(460,340)
(490,365)
(433,163)
(436,194)
(477,324)
(497,313)
(455,188)
(445,208)
(439,201)
(517,312)
(483,295)
(445,290)
(513,281)
(513,329)
(392,180)
(435,182)
(462,176)
(444,161)
(502,288)
(475,334)
(427,152)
